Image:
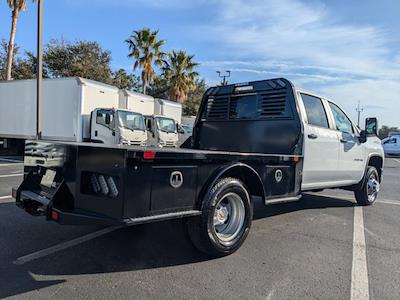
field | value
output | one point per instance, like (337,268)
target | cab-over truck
(262,138)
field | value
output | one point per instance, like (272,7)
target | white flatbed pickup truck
(262,138)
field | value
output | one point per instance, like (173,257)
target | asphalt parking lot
(323,247)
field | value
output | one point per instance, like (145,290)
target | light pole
(224,76)
(359,110)
(39,70)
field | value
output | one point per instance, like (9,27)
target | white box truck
(136,102)
(73,109)
(168,108)
(163,126)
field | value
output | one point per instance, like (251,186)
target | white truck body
(66,109)
(169,109)
(136,102)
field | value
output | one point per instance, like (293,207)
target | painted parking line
(11,165)
(11,160)
(359,269)
(379,200)
(11,175)
(48,251)
(396,160)
(5,197)
(394,202)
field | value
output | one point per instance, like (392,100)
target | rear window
(243,107)
(251,106)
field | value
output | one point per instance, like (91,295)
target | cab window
(105,118)
(315,111)
(342,122)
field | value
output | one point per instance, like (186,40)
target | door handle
(95,133)
(312,136)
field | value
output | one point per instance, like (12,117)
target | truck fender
(247,174)
(375,160)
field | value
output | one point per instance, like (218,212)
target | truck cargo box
(67,104)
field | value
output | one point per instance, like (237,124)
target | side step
(282,200)
(162,217)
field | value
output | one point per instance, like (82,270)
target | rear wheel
(225,221)
(368,192)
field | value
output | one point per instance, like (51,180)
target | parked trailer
(263,138)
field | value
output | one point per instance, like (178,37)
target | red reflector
(54,215)
(14,193)
(149,155)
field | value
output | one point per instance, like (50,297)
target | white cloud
(307,43)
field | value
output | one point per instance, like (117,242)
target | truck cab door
(321,145)
(351,150)
(103,126)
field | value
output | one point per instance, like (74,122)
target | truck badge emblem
(278,175)
(176,179)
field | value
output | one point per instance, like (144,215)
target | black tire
(365,195)
(202,229)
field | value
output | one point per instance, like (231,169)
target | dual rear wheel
(225,221)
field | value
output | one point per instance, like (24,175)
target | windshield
(166,124)
(131,120)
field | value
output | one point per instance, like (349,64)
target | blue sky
(346,50)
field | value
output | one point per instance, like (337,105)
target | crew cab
(263,138)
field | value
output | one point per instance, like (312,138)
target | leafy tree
(123,80)
(192,104)
(145,48)
(22,67)
(384,131)
(84,58)
(25,68)
(159,88)
(178,69)
(16,6)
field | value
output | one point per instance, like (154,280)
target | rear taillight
(54,215)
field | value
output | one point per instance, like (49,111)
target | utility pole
(224,76)
(359,110)
(39,70)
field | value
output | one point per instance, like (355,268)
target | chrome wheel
(372,187)
(229,216)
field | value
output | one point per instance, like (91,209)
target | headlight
(123,141)
(161,143)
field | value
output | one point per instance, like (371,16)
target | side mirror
(108,119)
(363,136)
(371,126)
(148,125)
(180,129)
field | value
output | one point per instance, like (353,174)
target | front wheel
(225,221)
(368,191)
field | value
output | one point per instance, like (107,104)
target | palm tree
(17,6)
(179,71)
(146,50)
